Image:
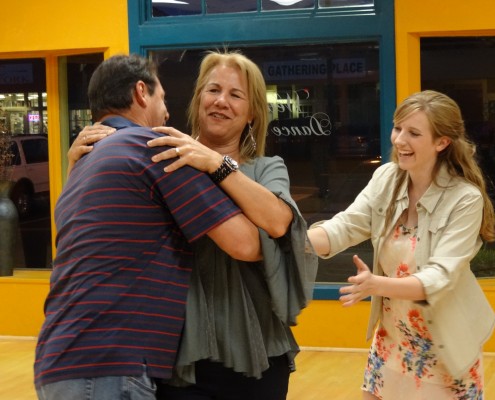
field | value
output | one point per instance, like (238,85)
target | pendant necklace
(408,231)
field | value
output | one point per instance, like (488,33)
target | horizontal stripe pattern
(120,278)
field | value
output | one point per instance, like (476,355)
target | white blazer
(459,317)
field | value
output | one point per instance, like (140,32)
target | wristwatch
(225,169)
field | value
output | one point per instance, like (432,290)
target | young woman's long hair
(445,119)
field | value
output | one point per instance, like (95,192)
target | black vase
(9,223)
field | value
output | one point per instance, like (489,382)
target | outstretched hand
(362,284)
(187,150)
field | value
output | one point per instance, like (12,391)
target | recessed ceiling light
(286,2)
(170,1)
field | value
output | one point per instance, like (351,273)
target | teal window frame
(283,27)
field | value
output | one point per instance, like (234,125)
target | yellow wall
(22,297)
(426,18)
(325,323)
(34,25)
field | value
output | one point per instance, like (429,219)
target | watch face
(233,163)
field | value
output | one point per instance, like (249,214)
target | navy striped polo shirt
(120,278)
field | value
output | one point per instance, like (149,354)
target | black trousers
(216,382)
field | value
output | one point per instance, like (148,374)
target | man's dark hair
(113,82)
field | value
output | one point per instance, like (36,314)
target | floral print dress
(402,363)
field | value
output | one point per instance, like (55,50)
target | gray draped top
(240,313)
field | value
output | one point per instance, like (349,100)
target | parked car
(30,173)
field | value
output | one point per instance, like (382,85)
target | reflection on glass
(344,3)
(80,68)
(23,114)
(36,113)
(167,8)
(286,4)
(33,99)
(230,6)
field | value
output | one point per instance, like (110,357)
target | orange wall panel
(324,323)
(34,26)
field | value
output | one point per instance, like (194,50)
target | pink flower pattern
(413,353)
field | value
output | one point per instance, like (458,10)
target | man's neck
(117,121)
(129,114)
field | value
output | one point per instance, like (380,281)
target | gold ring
(177,151)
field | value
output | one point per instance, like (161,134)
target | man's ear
(140,91)
(443,143)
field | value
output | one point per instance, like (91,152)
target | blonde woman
(426,213)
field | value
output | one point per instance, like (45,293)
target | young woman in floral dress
(427,213)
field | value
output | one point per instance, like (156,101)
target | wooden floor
(320,375)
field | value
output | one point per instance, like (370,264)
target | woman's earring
(253,141)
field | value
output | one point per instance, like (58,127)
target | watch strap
(226,168)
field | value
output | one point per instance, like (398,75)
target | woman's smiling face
(413,140)
(224,104)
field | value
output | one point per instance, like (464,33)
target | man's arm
(237,236)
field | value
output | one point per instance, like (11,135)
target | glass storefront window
(79,71)
(23,115)
(324,122)
(170,8)
(464,69)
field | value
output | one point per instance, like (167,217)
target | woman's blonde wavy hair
(445,119)
(258,105)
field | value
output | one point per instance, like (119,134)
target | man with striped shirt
(116,305)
